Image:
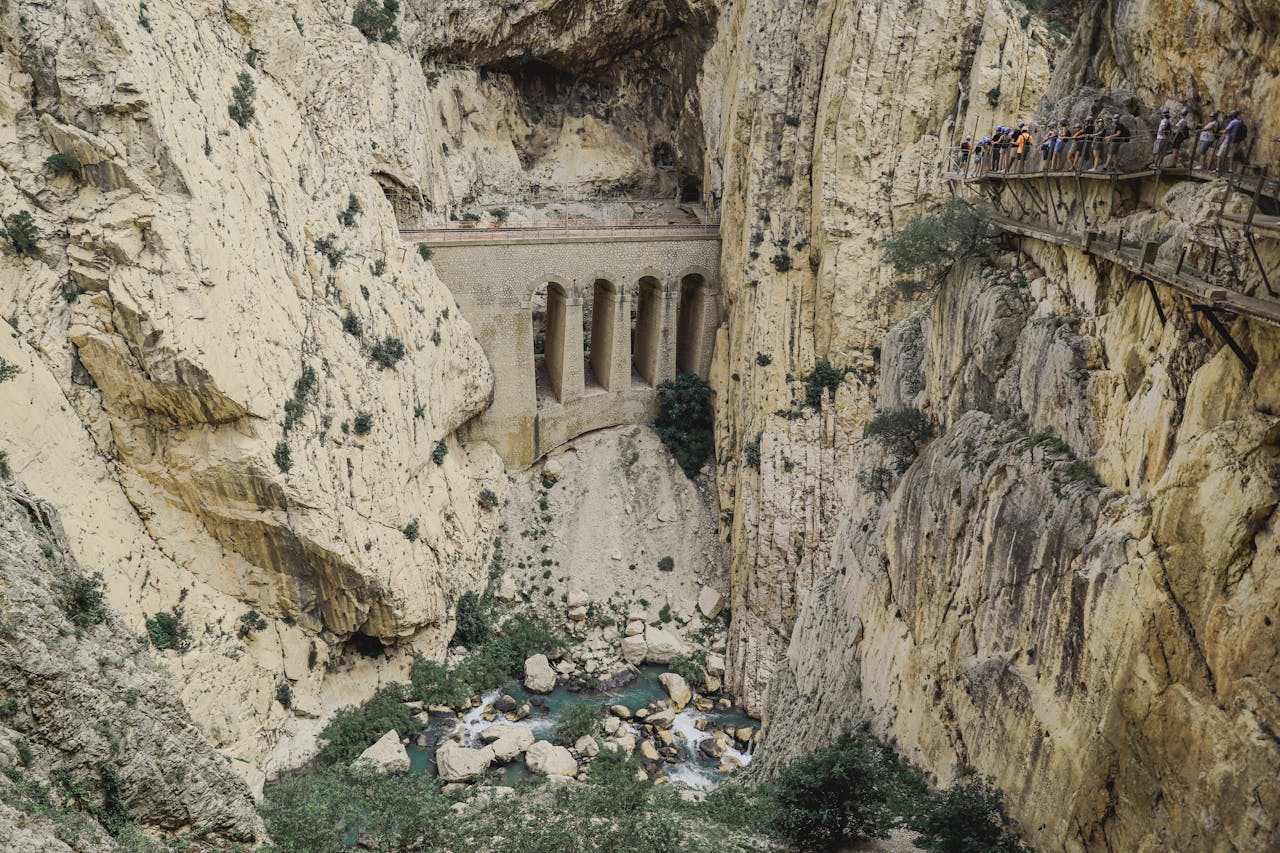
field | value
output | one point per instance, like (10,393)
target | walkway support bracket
(1209,312)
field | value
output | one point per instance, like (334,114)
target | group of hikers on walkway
(1094,145)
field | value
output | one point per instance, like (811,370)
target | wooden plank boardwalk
(1189,282)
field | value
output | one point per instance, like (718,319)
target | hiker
(1060,145)
(1046,147)
(1077,143)
(1208,133)
(994,149)
(1023,142)
(1181,133)
(1233,137)
(1119,136)
(966,148)
(1098,142)
(1162,135)
(1002,148)
(980,155)
(1086,141)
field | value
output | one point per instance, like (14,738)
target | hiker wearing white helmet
(1162,135)
(1208,133)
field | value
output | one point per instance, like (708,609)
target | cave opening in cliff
(646,324)
(365,645)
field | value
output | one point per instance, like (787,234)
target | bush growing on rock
(284,694)
(902,432)
(8,369)
(283,456)
(691,667)
(20,229)
(581,718)
(926,248)
(439,452)
(63,164)
(362,423)
(685,422)
(497,659)
(166,630)
(353,730)
(250,621)
(241,108)
(487,499)
(968,817)
(823,377)
(474,624)
(377,23)
(832,796)
(85,599)
(5,471)
(388,352)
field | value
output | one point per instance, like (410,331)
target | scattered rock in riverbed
(661,646)
(505,704)
(387,755)
(546,759)
(539,677)
(677,688)
(460,764)
(507,741)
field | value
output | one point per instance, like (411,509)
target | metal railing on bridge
(460,232)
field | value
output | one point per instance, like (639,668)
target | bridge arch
(607,311)
(691,322)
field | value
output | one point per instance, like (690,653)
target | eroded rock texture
(81,693)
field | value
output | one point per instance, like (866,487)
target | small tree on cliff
(377,23)
(684,421)
(923,251)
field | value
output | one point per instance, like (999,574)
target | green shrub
(475,626)
(902,432)
(377,23)
(8,369)
(487,499)
(241,108)
(968,817)
(317,812)
(327,246)
(439,452)
(284,694)
(353,730)
(993,96)
(362,423)
(296,406)
(576,720)
(691,667)
(411,531)
(166,630)
(20,229)
(499,658)
(250,621)
(113,813)
(499,213)
(388,351)
(63,164)
(347,218)
(283,456)
(781,261)
(664,615)
(876,481)
(438,684)
(823,377)
(685,421)
(352,325)
(85,599)
(832,796)
(667,564)
(751,451)
(926,248)
(764,359)
(6,472)
(424,251)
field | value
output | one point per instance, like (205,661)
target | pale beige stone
(387,755)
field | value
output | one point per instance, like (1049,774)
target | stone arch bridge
(559,371)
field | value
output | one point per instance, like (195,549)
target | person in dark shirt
(1163,132)
(1181,133)
(1233,136)
(1118,137)
(1087,133)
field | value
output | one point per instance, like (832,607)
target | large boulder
(388,755)
(634,649)
(661,646)
(677,688)
(507,741)
(710,602)
(546,759)
(460,764)
(538,674)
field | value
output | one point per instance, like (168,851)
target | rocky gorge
(228,386)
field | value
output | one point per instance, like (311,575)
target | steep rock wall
(190,311)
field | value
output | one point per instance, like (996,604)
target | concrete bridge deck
(581,321)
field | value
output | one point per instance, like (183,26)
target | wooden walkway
(1190,282)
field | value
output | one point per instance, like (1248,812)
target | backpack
(1242,132)
(1122,133)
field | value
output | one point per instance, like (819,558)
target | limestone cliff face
(82,696)
(211,320)
(824,124)
(1101,647)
